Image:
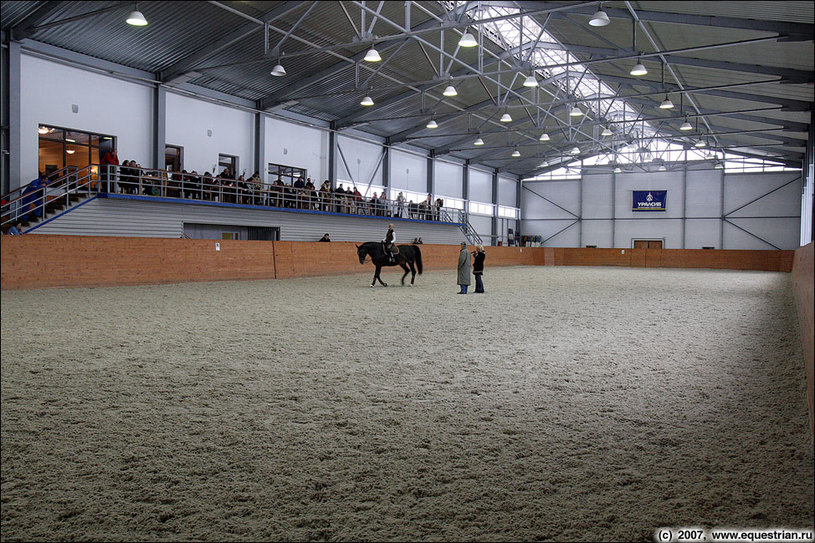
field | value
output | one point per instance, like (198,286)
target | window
(227,161)
(508,212)
(287,174)
(481,208)
(65,148)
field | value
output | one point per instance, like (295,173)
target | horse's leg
(413,272)
(404,267)
(376,277)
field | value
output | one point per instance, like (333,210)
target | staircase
(466,228)
(35,202)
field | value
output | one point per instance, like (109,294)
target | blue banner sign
(650,200)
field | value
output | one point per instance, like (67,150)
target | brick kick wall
(42,261)
(803,279)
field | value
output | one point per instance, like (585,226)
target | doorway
(648,244)
(173,158)
(61,148)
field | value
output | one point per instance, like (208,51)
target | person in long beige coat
(463,268)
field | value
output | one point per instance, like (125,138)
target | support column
(260,145)
(465,187)
(580,213)
(12,170)
(494,226)
(431,172)
(721,214)
(332,154)
(684,205)
(613,210)
(386,164)
(159,126)
(518,205)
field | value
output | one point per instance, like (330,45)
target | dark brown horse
(407,256)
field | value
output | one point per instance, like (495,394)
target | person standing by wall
(478,268)
(463,268)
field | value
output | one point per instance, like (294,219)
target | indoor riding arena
(426,270)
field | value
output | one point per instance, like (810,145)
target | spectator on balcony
(339,196)
(325,195)
(384,205)
(208,186)
(400,206)
(108,164)
(299,195)
(277,190)
(17,230)
(437,205)
(257,188)
(358,202)
(193,185)
(311,194)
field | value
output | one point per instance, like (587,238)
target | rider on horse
(387,243)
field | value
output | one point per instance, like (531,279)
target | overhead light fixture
(450,91)
(505,118)
(686,126)
(467,40)
(432,124)
(662,168)
(718,165)
(575,150)
(600,18)
(478,141)
(700,143)
(69,140)
(278,70)
(42,130)
(70,151)
(606,132)
(617,170)
(372,55)
(516,153)
(544,137)
(531,81)
(136,18)
(666,103)
(638,69)
(575,112)
(367,101)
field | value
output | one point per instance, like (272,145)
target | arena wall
(802,284)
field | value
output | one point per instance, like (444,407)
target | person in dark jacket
(325,238)
(478,268)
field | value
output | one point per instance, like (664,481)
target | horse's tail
(418,259)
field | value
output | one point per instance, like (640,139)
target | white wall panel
(598,233)
(507,191)
(541,200)
(300,146)
(704,194)
(598,198)
(408,172)
(449,179)
(106,106)
(188,124)
(480,185)
(670,231)
(364,162)
(483,226)
(702,233)
(774,194)
(628,183)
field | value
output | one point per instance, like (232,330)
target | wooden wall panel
(803,274)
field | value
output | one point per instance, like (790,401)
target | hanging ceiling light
(367,101)
(662,168)
(686,125)
(606,132)
(700,143)
(450,91)
(638,69)
(575,150)
(505,118)
(600,18)
(136,18)
(478,141)
(666,103)
(718,165)
(617,170)
(432,124)
(531,81)
(70,151)
(372,55)
(278,70)
(544,137)
(575,112)
(516,152)
(42,130)
(467,40)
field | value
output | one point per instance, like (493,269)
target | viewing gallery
(635,179)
